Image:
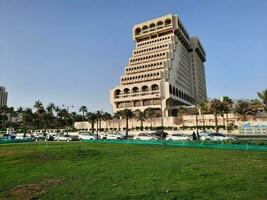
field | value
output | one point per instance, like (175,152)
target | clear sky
(74,51)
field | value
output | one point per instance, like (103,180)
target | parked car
(102,136)
(217,137)
(27,136)
(146,136)
(178,137)
(114,136)
(8,137)
(40,137)
(63,138)
(87,136)
(159,133)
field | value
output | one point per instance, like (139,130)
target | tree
(140,116)
(227,108)
(50,108)
(126,114)
(99,117)
(91,117)
(202,108)
(117,116)
(83,110)
(150,113)
(39,113)
(256,106)
(215,107)
(263,97)
(243,108)
(27,118)
(106,116)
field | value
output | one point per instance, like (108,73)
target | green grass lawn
(77,170)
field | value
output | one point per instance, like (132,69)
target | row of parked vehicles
(119,136)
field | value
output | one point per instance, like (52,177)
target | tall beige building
(166,69)
(3,96)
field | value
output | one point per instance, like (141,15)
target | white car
(21,137)
(177,137)
(63,138)
(114,136)
(145,136)
(87,136)
(216,137)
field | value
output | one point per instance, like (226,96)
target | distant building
(3,96)
(166,69)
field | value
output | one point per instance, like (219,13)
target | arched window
(126,91)
(145,88)
(137,31)
(168,22)
(154,87)
(159,23)
(152,25)
(117,93)
(135,90)
(144,28)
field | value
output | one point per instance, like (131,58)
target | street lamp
(68,111)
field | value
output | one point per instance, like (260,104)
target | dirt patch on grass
(31,191)
(7,153)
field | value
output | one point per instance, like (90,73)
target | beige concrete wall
(175,122)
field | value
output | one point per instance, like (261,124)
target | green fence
(14,141)
(243,147)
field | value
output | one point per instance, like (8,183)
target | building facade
(166,69)
(3,97)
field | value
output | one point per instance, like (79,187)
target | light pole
(68,111)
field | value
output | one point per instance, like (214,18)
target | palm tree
(243,108)
(140,116)
(83,109)
(99,115)
(50,108)
(91,117)
(39,113)
(117,116)
(126,114)
(182,110)
(215,106)
(150,113)
(263,97)
(256,106)
(106,116)
(227,108)
(202,108)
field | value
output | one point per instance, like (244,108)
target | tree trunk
(106,125)
(142,128)
(92,126)
(203,122)
(126,127)
(227,123)
(216,122)
(119,124)
(151,124)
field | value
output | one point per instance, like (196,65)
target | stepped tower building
(166,69)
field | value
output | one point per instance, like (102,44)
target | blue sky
(73,51)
